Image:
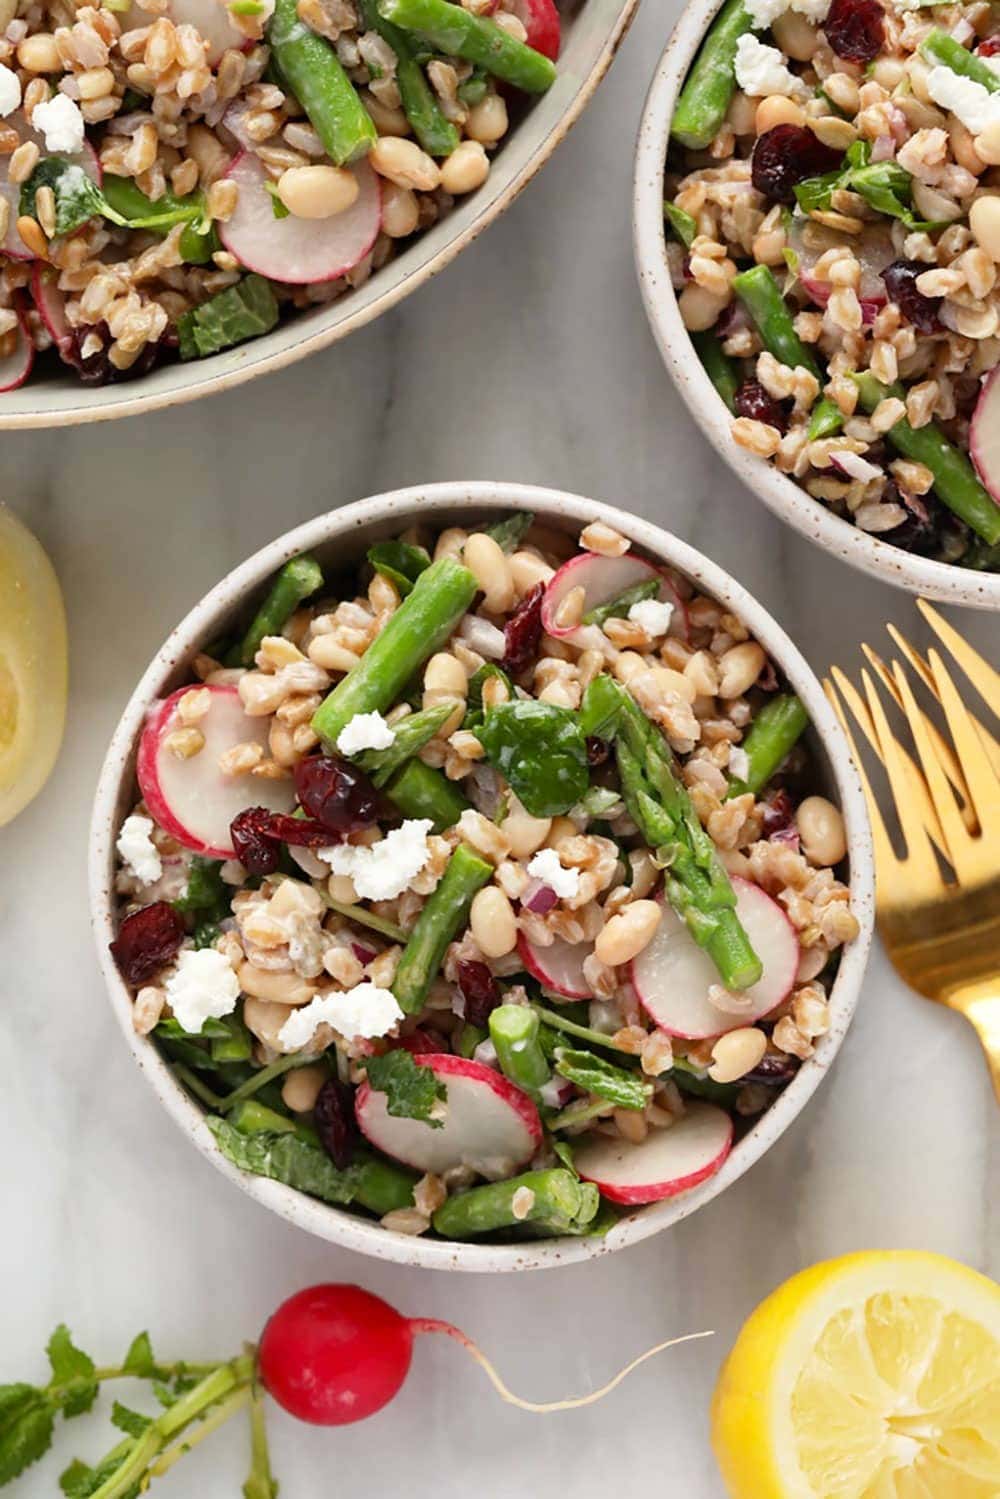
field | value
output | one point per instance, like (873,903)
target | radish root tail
(544,1408)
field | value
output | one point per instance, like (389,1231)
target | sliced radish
(51,304)
(984,434)
(16,367)
(672,976)
(603,579)
(668,1161)
(13,245)
(540,20)
(487,1124)
(874,250)
(299,251)
(559,966)
(192,799)
(210,18)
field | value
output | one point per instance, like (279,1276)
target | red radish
(334,1354)
(602,579)
(51,304)
(559,966)
(210,18)
(192,799)
(540,19)
(12,243)
(874,250)
(299,251)
(16,367)
(984,434)
(672,976)
(487,1123)
(668,1161)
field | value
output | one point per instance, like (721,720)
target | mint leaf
(139,1359)
(400,562)
(75,1479)
(411,1091)
(624,1089)
(132,1423)
(73,1388)
(27,1416)
(243,311)
(286,1158)
(77,197)
(80,1481)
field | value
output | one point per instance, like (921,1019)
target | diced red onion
(883,148)
(364,955)
(539,898)
(483,637)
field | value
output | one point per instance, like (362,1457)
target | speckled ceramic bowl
(592,32)
(349,532)
(934,580)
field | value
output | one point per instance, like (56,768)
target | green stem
(450,29)
(216,1418)
(761,295)
(433,130)
(261,1483)
(770,739)
(514,1032)
(361,916)
(579,1113)
(720,369)
(558,1199)
(194,1084)
(711,83)
(419,791)
(941,48)
(444,914)
(262,1078)
(560,1022)
(316,78)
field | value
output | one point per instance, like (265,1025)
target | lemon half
(33,672)
(875,1376)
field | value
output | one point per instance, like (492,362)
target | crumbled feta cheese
(202,987)
(10,91)
(761,70)
(739,764)
(974,105)
(545,866)
(764,12)
(366,1010)
(385,869)
(365,731)
(652,615)
(856,467)
(61,122)
(136,847)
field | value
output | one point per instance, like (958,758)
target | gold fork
(941,927)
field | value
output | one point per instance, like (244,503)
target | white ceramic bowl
(348,533)
(592,32)
(935,580)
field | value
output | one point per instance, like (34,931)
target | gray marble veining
(530,360)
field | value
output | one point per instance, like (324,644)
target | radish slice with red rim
(192,799)
(486,1123)
(667,1162)
(13,245)
(672,975)
(541,21)
(874,250)
(51,304)
(984,434)
(559,967)
(210,18)
(15,367)
(297,251)
(603,579)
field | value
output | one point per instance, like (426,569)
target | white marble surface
(530,359)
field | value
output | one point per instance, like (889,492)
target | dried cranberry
(787,155)
(422,1043)
(523,632)
(753,400)
(303,832)
(778,813)
(97,369)
(774,1070)
(901,284)
(146,941)
(336,793)
(920,531)
(989,46)
(255,848)
(333,1117)
(597,750)
(480,991)
(855,29)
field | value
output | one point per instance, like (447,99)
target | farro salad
(833,201)
(178,175)
(486,889)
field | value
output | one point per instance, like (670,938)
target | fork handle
(980,1005)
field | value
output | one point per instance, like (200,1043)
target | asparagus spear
(761,295)
(197,245)
(298,580)
(720,369)
(419,791)
(939,47)
(436,134)
(412,733)
(321,86)
(450,29)
(443,915)
(774,731)
(683,225)
(514,1032)
(422,623)
(955,482)
(558,1199)
(711,83)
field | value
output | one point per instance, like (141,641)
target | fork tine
(984,786)
(920,666)
(915,781)
(885,854)
(978,670)
(943,750)
(919,850)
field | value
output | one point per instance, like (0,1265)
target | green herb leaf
(206,934)
(411,1091)
(618,607)
(139,1360)
(816,192)
(243,311)
(541,751)
(601,708)
(401,563)
(132,1423)
(77,197)
(288,1159)
(624,1089)
(73,1388)
(478,681)
(75,1479)
(206,893)
(509,533)
(598,802)
(683,225)
(27,1416)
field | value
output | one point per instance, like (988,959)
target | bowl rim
(941,581)
(529,147)
(116,779)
